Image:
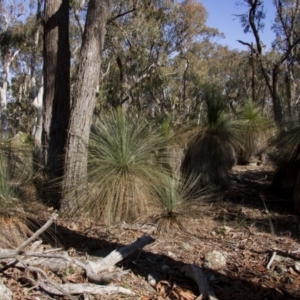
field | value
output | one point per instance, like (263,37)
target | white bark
(80,288)
(38,126)
(3,91)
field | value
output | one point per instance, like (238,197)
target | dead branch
(46,279)
(195,273)
(62,261)
(81,288)
(92,269)
(119,254)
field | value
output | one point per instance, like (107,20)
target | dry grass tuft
(13,230)
(15,196)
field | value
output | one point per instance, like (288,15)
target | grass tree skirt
(210,157)
(286,178)
(120,198)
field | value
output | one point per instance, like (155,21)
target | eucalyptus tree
(187,28)
(286,22)
(287,30)
(21,41)
(12,40)
(26,78)
(135,52)
(56,85)
(83,102)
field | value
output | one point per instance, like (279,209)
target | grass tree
(124,167)
(180,200)
(210,153)
(286,180)
(255,131)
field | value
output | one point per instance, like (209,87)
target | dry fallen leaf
(163,288)
(182,294)
(76,278)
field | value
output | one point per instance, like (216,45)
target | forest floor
(240,228)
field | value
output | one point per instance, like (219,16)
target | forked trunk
(83,104)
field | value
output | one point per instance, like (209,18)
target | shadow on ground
(145,263)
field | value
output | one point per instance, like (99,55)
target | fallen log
(119,254)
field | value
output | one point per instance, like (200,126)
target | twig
(271,260)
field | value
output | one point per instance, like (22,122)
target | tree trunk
(3,96)
(37,96)
(56,87)
(290,92)
(277,107)
(83,104)
(8,58)
(38,104)
(253,73)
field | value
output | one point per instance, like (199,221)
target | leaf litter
(238,227)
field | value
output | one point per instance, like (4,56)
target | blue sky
(221,15)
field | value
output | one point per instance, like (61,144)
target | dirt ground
(246,227)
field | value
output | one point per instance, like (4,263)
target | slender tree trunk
(38,104)
(83,104)
(3,92)
(290,92)
(253,73)
(37,96)
(277,107)
(3,96)
(56,86)
(296,192)
(184,83)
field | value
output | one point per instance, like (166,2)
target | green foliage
(215,108)
(124,167)
(255,131)
(180,200)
